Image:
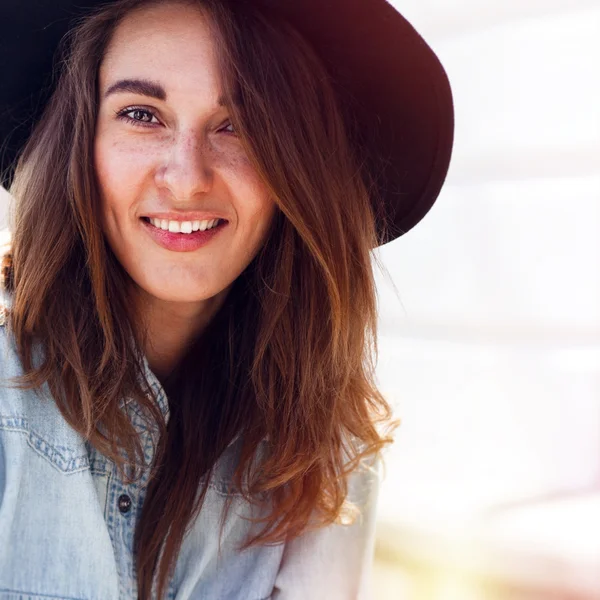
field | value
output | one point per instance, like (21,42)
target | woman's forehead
(159,36)
(161,51)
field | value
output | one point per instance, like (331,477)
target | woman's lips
(182,242)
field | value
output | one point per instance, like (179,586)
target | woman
(188,405)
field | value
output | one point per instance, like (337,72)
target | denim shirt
(67,520)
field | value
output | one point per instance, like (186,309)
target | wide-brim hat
(380,66)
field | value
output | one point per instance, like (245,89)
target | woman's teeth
(184,226)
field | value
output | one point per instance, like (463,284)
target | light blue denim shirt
(67,520)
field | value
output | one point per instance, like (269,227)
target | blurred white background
(490,352)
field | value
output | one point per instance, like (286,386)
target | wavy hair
(290,354)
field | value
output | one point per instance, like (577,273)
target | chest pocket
(37,418)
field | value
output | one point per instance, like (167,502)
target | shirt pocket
(34,413)
(62,447)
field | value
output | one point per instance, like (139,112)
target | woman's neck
(172,327)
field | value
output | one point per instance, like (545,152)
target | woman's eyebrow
(144,87)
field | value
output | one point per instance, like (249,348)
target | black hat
(398,90)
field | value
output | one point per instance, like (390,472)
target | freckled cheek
(122,162)
(252,203)
(238,170)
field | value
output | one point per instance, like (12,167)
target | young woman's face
(173,155)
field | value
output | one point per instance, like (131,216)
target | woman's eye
(138,116)
(229,124)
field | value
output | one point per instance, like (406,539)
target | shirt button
(124,503)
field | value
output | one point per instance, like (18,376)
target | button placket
(125,508)
(126,500)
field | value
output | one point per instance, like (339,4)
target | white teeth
(183,226)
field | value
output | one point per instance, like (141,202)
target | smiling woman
(173,159)
(203,312)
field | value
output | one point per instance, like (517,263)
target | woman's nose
(187,169)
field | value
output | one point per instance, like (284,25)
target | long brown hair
(293,348)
